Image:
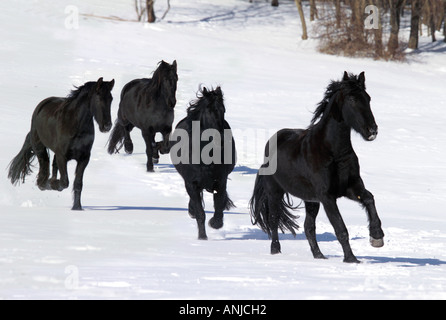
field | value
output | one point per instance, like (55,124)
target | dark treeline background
(345,26)
(352,27)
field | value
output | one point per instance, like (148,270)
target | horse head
(355,106)
(101,100)
(166,79)
(209,109)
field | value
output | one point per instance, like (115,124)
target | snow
(135,240)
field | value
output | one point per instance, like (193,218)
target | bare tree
(302,19)
(414,24)
(313,10)
(140,10)
(395,9)
(444,20)
(338,13)
(150,11)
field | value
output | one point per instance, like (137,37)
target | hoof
(275,248)
(351,259)
(155,160)
(44,187)
(376,243)
(202,237)
(216,223)
(319,256)
(128,147)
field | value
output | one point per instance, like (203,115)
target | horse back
(139,105)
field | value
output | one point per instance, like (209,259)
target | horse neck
(335,132)
(81,111)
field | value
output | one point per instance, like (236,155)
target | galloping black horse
(319,165)
(65,126)
(149,105)
(205,156)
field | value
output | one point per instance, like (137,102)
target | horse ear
(345,78)
(174,64)
(362,79)
(99,83)
(111,84)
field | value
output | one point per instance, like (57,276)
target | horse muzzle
(105,128)
(372,133)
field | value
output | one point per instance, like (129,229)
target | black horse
(203,152)
(149,105)
(65,126)
(319,165)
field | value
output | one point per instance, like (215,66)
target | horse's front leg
(360,194)
(221,202)
(196,210)
(164,146)
(149,139)
(78,182)
(333,214)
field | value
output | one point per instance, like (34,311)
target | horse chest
(341,173)
(80,146)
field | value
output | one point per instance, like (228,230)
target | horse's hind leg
(312,209)
(44,166)
(128,144)
(196,210)
(274,195)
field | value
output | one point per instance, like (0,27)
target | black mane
(78,93)
(350,84)
(163,71)
(208,107)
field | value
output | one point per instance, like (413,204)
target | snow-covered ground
(135,240)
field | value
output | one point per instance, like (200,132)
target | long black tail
(260,212)
(116,140)
(20,166)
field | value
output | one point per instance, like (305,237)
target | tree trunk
(313,10)
(395,6)
(275,3)
(338,13)
(444,20)
(414,24)
(378,35)
(302,19)
(150,11)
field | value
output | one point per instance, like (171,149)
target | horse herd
(316,164)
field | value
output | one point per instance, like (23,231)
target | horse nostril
(373,132)
(107,127)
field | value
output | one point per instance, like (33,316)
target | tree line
(356,27)
(371,27)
